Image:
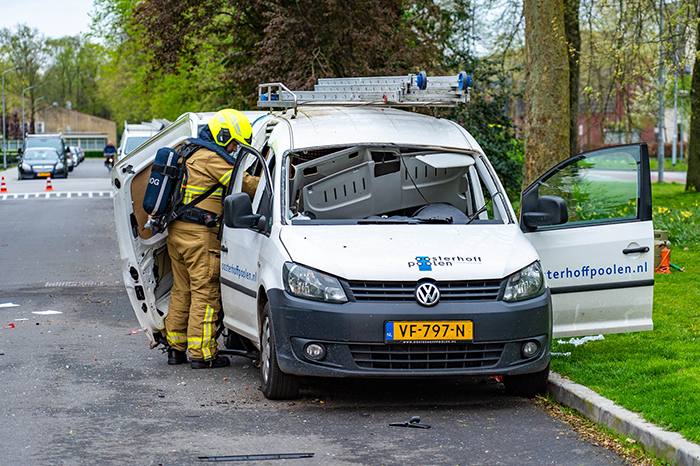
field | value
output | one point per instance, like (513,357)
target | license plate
(43,174)
(429,331)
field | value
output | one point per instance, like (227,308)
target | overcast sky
(53,18)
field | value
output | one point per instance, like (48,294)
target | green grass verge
(657,373)
(668,166)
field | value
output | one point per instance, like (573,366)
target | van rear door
(599,264)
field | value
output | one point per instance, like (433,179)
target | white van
(136,134)
(381,243)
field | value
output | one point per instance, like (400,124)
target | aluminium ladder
(391,91)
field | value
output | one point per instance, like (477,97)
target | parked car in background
(41,162)
(54,140)
(71,160)
(136,134)
(80,152)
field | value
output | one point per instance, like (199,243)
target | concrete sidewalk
(670,446)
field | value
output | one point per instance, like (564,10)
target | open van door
(598,263)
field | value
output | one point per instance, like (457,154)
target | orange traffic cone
(665,262)
(48,184)
(3,188)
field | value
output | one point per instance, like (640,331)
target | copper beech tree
(295,41)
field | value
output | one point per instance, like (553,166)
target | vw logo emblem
(427,294)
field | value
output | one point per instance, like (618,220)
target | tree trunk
(547,88)
(692,182)
(573,40)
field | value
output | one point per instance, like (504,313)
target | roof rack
(390,91)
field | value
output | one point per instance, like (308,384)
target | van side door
(599,263)
(240,247)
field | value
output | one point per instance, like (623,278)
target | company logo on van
(426,263)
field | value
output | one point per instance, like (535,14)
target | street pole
(675,122)
(35,111)
(4,140)
(683,93)
(25,90)
(46,122)
(660,151)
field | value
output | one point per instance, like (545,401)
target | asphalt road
(79,387)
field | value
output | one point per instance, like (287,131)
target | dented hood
(410,252)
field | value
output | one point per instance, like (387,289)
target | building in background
(79,129)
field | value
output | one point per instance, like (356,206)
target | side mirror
(551,210)
(238,211)
(19,151)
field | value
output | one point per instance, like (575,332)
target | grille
(481,290)
(432,356)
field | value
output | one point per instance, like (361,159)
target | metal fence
(86,143)
(12,144)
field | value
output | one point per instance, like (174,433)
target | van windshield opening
(387,184)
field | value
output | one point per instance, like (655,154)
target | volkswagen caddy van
(381,243)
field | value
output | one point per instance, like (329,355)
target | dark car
(41,162)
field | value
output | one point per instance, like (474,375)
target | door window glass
(599,187)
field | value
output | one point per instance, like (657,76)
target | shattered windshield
(390,185)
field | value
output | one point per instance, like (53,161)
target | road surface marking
(55,195)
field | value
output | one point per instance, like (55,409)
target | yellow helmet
(229,124)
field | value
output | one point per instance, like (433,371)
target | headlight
(525,284)
(26,167)
(59,165)
(306,283)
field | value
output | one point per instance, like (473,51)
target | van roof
(327,126)
(44,135)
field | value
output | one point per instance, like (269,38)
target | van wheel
(276,385)
(527,385)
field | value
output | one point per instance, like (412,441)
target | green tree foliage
(25,47)
(73,75)
(127,88)
(67,69)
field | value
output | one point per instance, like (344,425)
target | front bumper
(353,335)
(34,173)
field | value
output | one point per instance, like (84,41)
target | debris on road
(49,312)
(414,422)
(580,341)
(272,456)
(9,305)
(10,326)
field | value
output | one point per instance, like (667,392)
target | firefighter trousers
(195,298)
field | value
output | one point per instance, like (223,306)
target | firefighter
(193,245)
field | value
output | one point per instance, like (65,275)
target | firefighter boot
(218,361)
(176,357)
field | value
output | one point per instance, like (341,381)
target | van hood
(410,252)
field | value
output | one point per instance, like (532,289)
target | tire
(276,385)
(527,385)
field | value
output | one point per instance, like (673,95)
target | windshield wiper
(436,220)
(483,208)
(384,221)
